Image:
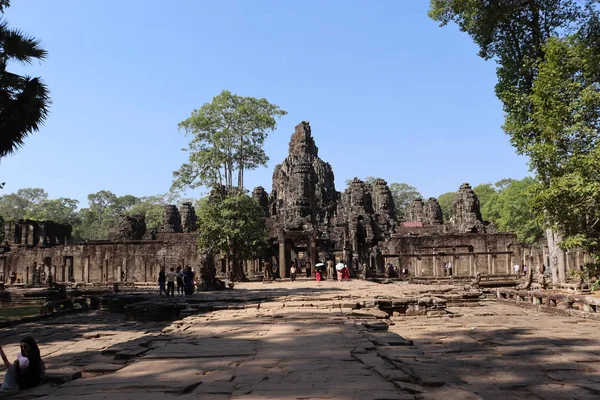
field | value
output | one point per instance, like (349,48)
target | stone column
(314,255)
(24,228)
(418,269)
(455,268)
(434,262)
(489,264)
(493,264)
(282,258)
(472,271)
(86,270)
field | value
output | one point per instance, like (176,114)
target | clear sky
(387,91)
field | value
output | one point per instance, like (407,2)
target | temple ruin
(307,219)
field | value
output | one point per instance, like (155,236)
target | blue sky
(387,91)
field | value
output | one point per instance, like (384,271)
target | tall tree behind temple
(228,135)
(516,34)
(24,101)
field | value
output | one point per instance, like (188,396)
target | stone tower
(432,213)
(466,211)
(303,184)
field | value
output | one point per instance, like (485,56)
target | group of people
(183,277)
(520,270)
(447,267)
(27,371)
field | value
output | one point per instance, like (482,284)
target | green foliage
(95,222)
(445,201)
(151,207)
(228,135)
(24,101)
(511,209)
(548,81)
(234,227)
(485,193)
(590,274)
(403,195)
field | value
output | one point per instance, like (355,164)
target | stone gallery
(307,219)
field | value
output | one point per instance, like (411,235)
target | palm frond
(18,46)
(22,113)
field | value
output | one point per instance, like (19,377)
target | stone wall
(131,261)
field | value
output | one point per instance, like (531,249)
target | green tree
(21,205)
(565,103)
(62,210)
(234,227)
(511,209)
(485,193)
(403,195)
(516,34)
(228,136)
(152,208)
(24,101)
(102,216)
(445,201)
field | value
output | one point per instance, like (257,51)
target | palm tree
(24,101)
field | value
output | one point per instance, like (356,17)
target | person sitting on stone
(28,369)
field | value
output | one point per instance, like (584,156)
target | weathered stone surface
(466,211)
(432,213)
(188,218)
(171,219)
(130,228)
(415,211)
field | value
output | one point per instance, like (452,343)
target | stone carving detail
(130,227)
(466,211)
(303,184)
(432,213)
(189,221)
(416,211)
(260,195)
(171,220)
(383,202)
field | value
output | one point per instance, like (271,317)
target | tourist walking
(179,280)
(267,271)
(339,268)
(171,278)
(27,370)
(308,269)
(449,269)
(293,272)
(189,281)
(445,268)
(524,270)
(517,269)
(346,273)
(162,279)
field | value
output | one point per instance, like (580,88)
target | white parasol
(340,266)
(320,264)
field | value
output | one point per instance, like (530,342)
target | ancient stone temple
(310,220)
(467,212)
(307,220)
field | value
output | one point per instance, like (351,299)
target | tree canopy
(24,101)
(234,227)
(546,52)
(228,136)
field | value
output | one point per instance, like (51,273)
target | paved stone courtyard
(303,345)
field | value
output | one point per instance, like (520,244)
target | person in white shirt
(517,269)
(171,278)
